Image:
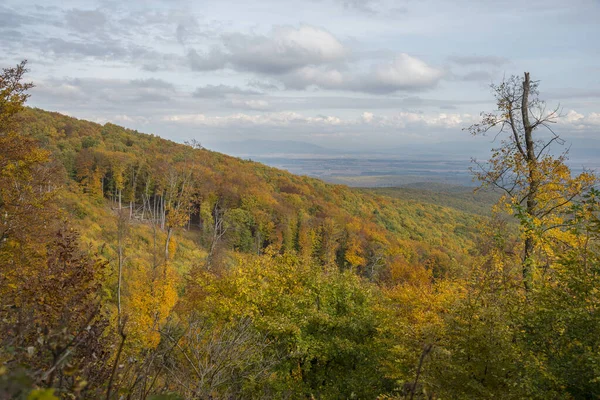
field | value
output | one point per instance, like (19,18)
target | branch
(556,137)
(515,133)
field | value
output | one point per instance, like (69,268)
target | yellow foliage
(152,294)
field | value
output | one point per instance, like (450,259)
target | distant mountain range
(265,148)
(581,151)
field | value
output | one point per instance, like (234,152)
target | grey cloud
(86,20)
(402,73)
(368,6)
(186,28)
(104,93)
(375,8)
(221,91)
(211,61)
(479,60)
(11,19)
(148,96)
(374,102)
(477,76)
(152,83)
(396,11)
(181,33)
(448,107)
(105,49)
(77,34)
(574,94)
(251,104)
(263,85)
(283,50)
(117,99)
(11,34)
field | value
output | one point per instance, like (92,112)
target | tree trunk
(167,241)
(533,180)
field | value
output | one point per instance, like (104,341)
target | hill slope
(205,275)
(256,207)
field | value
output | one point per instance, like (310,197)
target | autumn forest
(133,267)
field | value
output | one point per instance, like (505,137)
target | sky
(345,74)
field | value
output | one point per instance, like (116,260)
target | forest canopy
(135,267)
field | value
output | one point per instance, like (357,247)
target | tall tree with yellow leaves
(538,186)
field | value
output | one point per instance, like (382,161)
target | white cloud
(593,118)
(581,121)
(322,77)
(573,116)
(284,49)
(259,105)
(287,118)
(284,118)
(403,73)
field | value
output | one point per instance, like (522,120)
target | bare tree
(122,232)
(219,230)
(212,361)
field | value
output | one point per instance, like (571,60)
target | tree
(13,93)
(538,185)
(561,329)
(25,175)
(324,326)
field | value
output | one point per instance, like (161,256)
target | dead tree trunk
(533,180)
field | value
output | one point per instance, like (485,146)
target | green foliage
(561,328)
(324,324)
(465,199)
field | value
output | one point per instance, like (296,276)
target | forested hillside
(136,267)
(462,198)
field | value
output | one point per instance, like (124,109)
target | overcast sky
(348,74)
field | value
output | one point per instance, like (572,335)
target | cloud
(263,85)
(152,83)
(276,119)
(107,49)
(580,121)
(257,105)
(320,76)
(222,91)
(573,116)
(110,93)
(366,6)
(86,21)
(62,47)
(375,8)
(186,28)
(403,73)
(476,76)
(11,19)
(479,60)
(574,94)
(283,50)
(289,118)
(212,60)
